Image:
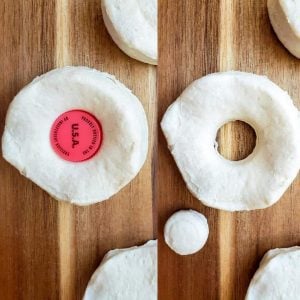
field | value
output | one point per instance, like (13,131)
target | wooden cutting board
(198,37)
(49,250)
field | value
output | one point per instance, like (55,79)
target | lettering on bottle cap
(76,136)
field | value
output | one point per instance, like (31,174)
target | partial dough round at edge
(278,276)
(126,274)
(134,34)
(286,27)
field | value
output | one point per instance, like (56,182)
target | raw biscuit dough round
(278,276)
(132,25)
(126,274)
(191,124)
(26,142)
(285,19)
(186,232)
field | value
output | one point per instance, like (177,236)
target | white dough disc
(126,274)
(132,25)
(26,142)
(191,124)
(186,232)
(278,276)
(285,19)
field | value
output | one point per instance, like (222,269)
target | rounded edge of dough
(131,52)
(109,256)
(284,30)
(268,263)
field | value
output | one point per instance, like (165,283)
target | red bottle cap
(76,136)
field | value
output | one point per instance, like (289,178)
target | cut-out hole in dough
(236,140)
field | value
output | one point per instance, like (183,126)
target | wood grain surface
(198,37)
(49,250)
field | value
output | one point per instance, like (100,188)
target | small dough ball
(126,274)
(186,232)
(132,25)
(285,19)
(278,276)
(27,139)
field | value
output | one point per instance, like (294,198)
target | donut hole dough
(285,18)
(191,124)
(26,139)
(126,274)
(132,25)
(278,276)
(186,232)
(235,140)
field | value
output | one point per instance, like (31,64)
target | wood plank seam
(226,219)
(62,33)
(152,107)
(65,212)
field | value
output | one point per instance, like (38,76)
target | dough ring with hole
(278,276)
(285,19)
(26,141)
(191,124)
(132,25)
(126,274)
